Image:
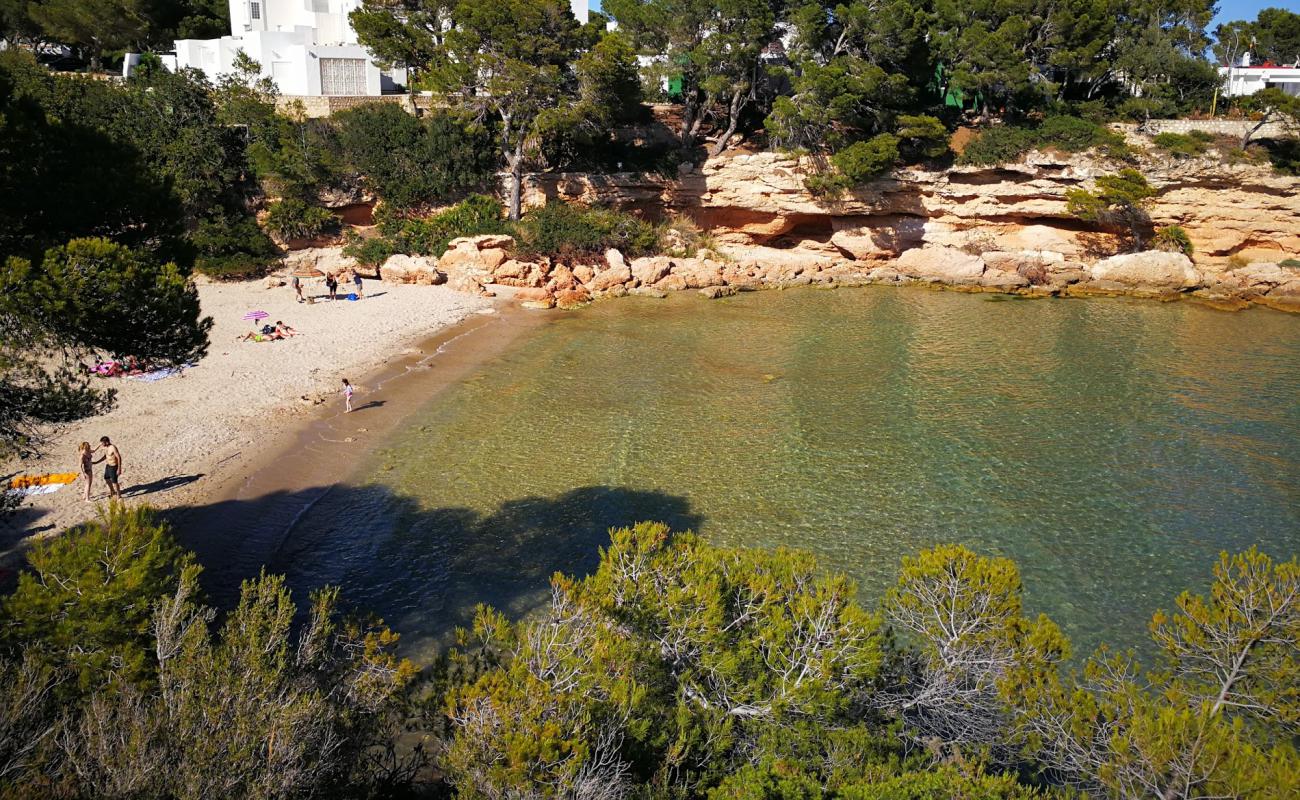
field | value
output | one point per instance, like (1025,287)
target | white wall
(1242,81)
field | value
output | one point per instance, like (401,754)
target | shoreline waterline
(237,527)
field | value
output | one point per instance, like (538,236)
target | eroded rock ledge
(1000,229)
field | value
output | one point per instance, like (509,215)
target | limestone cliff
(1227,209)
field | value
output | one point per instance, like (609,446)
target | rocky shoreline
(989,229)
(476,264)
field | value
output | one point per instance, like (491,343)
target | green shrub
(1003,145)
(1290,262)
(1173,239)
(570,229)
(861,162)
(998,145)
(922,136)
(369,251)
(233,248)
(294,219)
(1118,203)
(1069,134)
(86,604)
(1181,145)
(410,162)
(1284,154)
(427,236)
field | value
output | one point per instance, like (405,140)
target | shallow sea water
(1111,447)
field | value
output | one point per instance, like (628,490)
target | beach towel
(40,484)
(159,374)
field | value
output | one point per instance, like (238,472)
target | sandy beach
(183,436)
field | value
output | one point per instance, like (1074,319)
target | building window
(343,76)
(255,10)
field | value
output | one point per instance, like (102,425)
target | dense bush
(570,230)
(1004,144)
(1173,239)
(1283,154)
(410,162)
(107,297)
(1183,145)
(85,606)
(922,137)
(861,162)
(291,218)
(428,236)
(233,247)
(675,669)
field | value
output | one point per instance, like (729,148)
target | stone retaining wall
(323,106)
(1236,128)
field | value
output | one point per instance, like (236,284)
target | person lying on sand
(284,330)
(253,336)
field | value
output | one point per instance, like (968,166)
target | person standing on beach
(297,288)
(332,284)
(88,460)
(347,396)
(112,467)
(356,281)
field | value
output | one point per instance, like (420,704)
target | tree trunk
(690,113)
(516,161)
(733,121)
(1245,140)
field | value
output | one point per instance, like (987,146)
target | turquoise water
(1111,447)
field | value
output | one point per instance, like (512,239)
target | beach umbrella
(256,315)
(307,272)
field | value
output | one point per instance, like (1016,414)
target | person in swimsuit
(347,396)
(356,281)
(112,467)
(88,460)
(297,288)
(332,284)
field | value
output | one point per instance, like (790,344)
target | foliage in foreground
(677,670)
(681,669)
(113,683)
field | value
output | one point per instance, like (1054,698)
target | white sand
(243,395)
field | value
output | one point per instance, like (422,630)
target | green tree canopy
(508,61)
(713,47)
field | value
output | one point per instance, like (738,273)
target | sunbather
(284,330)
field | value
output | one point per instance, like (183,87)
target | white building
(308,47)
(1250,78)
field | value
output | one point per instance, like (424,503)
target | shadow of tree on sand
(422,569)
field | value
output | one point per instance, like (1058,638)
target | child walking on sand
(347,396)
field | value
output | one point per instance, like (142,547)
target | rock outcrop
(759,199)
(1003,229)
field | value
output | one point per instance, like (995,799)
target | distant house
(308,47)
(1249,78)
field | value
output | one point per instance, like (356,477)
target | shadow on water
(422,569)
